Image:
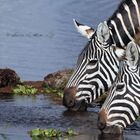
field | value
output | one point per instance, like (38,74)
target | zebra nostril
(68,102)
(71,103)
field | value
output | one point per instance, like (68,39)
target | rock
(8,77)
(58,79)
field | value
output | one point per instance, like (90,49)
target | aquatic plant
(71,132)
(39,134)
(54,91)
(24,90)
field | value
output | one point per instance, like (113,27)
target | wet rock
(58,79)
(8,77)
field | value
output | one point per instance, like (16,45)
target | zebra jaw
(84,30)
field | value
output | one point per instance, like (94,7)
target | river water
(38,37)
(20,114)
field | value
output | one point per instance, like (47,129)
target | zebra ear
(103,33)
(84,30)
(132,54)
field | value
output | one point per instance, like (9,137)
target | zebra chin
(70,102)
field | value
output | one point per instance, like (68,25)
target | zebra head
(122,105)
(96,69)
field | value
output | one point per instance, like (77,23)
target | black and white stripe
(122,105)
(124,22)
(97,68)
(97,64)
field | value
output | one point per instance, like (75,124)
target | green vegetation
(55,91)
(25,90)
(71,132)
(40,134)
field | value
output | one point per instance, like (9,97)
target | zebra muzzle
(70,101)
(69,97)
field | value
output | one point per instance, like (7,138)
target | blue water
(38,37)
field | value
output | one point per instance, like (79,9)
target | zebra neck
(124,22)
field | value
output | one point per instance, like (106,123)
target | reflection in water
(4,137)
(110,137)
(98,137)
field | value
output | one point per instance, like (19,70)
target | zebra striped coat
(97,66)
(122,105)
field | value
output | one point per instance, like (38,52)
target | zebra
(97,66)
(122,106)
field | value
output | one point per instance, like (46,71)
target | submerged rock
(8,77)
(58,79)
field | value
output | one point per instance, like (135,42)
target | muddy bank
(56,80)
(9,79)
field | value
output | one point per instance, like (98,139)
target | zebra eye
(91,62)
(120,87)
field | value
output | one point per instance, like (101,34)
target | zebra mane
(124,22)
(119,9)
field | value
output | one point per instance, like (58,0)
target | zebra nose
(69,97)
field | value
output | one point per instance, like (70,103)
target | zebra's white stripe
(111,72)
(120,115)
(117,101)
(129,16)
(137,10)
(97,80)
(123,108)
(108,78)
(124,27)
(137,99)
(117,32)
(116,122)
(129,96)
(73,81)
(136,88)
(132,91)
(84,86)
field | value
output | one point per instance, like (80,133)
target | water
(20,114)
(38,37)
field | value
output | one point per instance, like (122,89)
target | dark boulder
(8,77)
(58,79)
